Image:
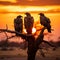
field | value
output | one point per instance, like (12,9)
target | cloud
(9,0)
(5,3)
(19,9)
(38,2)
(31,2)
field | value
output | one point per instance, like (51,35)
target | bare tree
(33,44)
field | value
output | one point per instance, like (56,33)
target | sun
(33,30)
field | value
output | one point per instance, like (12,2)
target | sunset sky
(29,5)
(8,8)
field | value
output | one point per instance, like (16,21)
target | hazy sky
(29,5)
(30,2)
(13,6)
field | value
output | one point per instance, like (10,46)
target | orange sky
(30,2)
(18,6)
(29,8)
(29,5)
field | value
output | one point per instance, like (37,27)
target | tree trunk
(33,45)
(31,48)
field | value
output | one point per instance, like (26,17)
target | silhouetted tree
(33,44)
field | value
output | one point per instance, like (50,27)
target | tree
(33,44)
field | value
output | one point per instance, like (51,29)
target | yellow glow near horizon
(9,0)
(27,8)
(33,30)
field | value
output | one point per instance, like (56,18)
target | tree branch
(20,34)
(40,37)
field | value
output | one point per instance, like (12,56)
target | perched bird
(45,22)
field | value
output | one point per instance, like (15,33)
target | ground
(19,54)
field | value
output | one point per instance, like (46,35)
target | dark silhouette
(33,44)
(28,23)
(18,24)
(45,22)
